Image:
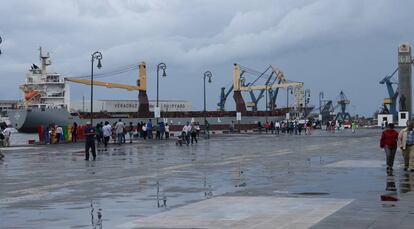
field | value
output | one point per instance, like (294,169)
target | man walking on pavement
(119,130)
(277,126)
(59,133)
(7,134)
(406,143)
(388,142)
(89,141)
(187,130)
(149,129)
(107,133)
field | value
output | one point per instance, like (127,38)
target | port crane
(141,83)
(390,103)
(254,99)
(238,87)
(343,102)
(141,87)
(223,98)
(274,81)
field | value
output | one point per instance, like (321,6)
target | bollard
(47,136)
(41,134)
(65,134)
(69,137)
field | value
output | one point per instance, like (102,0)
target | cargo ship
(46,99)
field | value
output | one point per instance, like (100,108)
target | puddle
(312,193)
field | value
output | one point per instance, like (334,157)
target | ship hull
(27,121)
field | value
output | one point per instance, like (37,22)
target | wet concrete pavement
(244,181)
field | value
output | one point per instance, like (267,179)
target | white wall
(129,105)
(382,117)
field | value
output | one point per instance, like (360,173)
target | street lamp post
(208,75)
(307,97)
(0,43)
(95,56)
(163,67)
(266,103)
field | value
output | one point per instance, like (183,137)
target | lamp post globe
(163,67)
(209,75)
(95,56)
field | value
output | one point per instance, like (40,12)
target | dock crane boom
(141,87)
(103,84)
(141,82)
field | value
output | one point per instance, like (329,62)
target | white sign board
(238,116)
(287,116)
(157,112)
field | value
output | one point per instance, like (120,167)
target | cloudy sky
(347,45)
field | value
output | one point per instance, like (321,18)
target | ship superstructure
(46,99)
(44,89)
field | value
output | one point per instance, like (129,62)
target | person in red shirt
(389,143)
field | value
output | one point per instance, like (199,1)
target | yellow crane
(141,83)
(296,86)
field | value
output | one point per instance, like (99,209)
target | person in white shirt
(277,127)
(144,131)
(107,133)
(119,130)
(167,131)
(59,132)
(7,134)
(186,131)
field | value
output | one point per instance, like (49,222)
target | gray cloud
(330,45)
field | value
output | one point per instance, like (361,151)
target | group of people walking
(287,127)
(103,132)
(189,134)
(391,140)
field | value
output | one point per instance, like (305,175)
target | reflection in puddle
(208,191)
(96,224)
(164,197)
(406,182)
